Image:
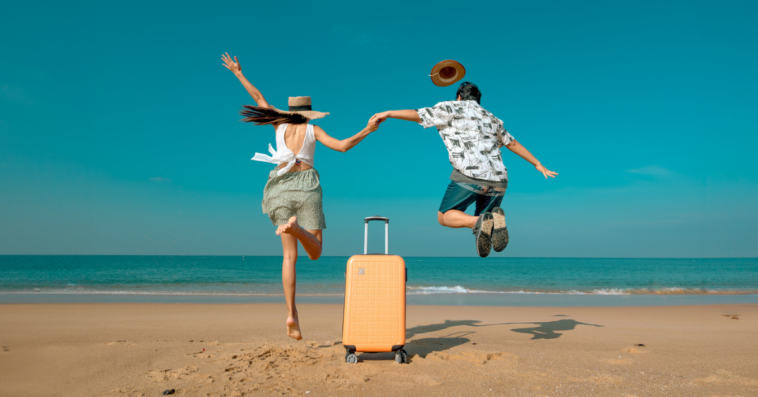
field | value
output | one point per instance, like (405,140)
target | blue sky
(120,133)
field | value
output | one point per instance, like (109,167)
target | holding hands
(373,124)
(380,117)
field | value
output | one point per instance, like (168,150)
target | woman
(292,197)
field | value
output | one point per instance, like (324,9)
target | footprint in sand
(160,375)
(283,358)
(272,370)
(476,357)
(607,379)
(732,316)
(633,350)
(726,377)
(6,349)
(427,380)
(129,392)
(272,367)
(619,361)
(118,342)
(603,379)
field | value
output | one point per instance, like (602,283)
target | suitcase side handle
(386,233)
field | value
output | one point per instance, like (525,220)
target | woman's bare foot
(291,227)
(293,328)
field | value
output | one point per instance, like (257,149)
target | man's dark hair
(469,92)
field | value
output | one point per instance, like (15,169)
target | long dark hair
(265,116)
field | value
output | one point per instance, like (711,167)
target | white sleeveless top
(283,154)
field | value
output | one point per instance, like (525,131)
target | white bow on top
(284,155)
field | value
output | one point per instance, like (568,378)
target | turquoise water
(518,281)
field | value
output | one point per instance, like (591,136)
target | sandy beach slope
(242,350)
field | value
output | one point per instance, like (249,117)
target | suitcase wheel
(401,357)
(351,358)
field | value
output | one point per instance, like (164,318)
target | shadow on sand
(547,330)
(425,346)
(424,329)
(422,347)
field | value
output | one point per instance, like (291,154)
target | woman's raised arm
(345,144)
(236,68)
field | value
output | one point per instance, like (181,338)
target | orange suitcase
(374,313)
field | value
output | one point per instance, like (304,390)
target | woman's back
(298,138)
(294,136)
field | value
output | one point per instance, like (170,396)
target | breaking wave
(417,290)
(411,290)
(82,291)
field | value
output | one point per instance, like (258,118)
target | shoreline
(443,299)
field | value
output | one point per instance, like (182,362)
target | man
(473,137)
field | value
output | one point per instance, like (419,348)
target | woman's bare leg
(289,278)
(310,239)
(291,233)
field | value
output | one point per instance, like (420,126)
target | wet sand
(242,350)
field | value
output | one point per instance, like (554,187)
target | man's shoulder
(489,114)
(446,105)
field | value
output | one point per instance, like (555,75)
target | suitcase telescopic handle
(386,233)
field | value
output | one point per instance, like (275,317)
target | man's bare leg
(459,219)
(289,278)
(310,239)
(456,219)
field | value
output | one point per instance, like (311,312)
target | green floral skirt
(294,194)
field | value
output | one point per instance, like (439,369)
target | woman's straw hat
(447,72)
(302,105)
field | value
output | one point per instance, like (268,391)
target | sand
(242,350)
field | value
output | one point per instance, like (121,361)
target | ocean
(431,280)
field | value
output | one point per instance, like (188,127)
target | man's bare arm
(409,114)
(520,150)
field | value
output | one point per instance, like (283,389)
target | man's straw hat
(302,105)
(447,72)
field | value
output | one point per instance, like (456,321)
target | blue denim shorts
(459,196)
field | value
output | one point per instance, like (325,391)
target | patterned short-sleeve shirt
(473,137)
